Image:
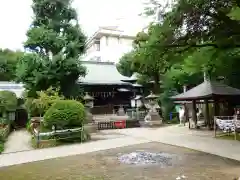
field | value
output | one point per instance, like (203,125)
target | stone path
(193,139)
(173,135)
(68,150)
(18,141)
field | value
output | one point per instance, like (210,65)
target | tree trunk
(156,87)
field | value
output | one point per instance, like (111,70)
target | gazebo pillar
(185,107)
(206,115)
(216,110)
(194,113)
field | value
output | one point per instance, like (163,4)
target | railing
(118,124)
(227,124)
(57,135)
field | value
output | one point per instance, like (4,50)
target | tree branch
(227,46)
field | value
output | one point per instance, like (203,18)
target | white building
(108,44)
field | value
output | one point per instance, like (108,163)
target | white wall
(111,48)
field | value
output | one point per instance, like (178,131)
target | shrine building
(108,87)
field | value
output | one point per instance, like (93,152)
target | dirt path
(18,141)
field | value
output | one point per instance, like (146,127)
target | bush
(4,132)
(1,147)
(4,121)
(38,106)
(65,114)
(8,101)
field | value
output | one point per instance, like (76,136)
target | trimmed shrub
(65,114)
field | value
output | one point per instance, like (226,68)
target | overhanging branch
(227,46)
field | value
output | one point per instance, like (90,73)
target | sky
(16,17)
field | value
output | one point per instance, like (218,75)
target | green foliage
(148,58)
(8,63)
(65,114)
(125,64)
(56,40)
(4,121)
(1,147)
(191,38)
(235,13)
(4,132)
(173,121)
(8,101)
(28,126)
(44,100)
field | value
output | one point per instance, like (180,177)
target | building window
(107,40)
(97,45)
(119,40)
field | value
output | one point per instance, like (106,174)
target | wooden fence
(119,124)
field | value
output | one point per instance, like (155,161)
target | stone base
(152,119)
(89,117)
(91,128)
(192,124)
(153,123)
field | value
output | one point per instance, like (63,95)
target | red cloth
(120,124)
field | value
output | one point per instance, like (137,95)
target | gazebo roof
(207,90)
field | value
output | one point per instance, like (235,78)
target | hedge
(65,114)
(4,132)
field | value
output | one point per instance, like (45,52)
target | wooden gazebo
(209,90)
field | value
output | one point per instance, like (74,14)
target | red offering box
(120,124)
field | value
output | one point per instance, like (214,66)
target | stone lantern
(152,118)
(88,100)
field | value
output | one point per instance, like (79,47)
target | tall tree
(56,41)
(8,63)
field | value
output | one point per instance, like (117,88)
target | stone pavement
(172,135)
(193,139)
(18,141)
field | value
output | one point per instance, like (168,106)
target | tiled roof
(207,89)
(102,73)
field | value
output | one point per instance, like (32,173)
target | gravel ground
(105,165)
